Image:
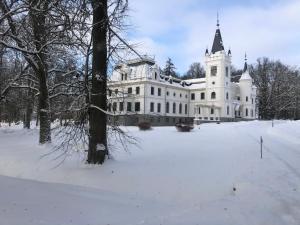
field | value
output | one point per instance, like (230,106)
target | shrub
(184,127)
(144,126)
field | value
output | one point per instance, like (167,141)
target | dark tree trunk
(97,119)
(38,20)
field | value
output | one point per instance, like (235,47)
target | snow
(170,178)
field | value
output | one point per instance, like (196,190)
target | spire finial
(246,64)
(245,56)
(218,21)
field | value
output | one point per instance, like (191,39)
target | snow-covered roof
(246,76)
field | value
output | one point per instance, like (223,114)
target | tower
(218,77)
(247,93)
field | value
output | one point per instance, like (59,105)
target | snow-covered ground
(171,179)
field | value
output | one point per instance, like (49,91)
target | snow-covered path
(175,178)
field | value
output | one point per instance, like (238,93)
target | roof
(218,42)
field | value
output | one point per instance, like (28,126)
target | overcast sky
(182,29)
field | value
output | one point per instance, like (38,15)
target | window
(137,106)
(116,91)
(125,76)
(252,101)
(199,110)
(251,112)
(247,99)
(109,92)
(227,110)
(213,83)
(114,106)
(227,71)
(238,98)
(129,90)
(128,106)
(137,90)
(167,107)
(174,107)
(180,95)
(159,91)
(158,107)
(180,108)
(121,106)
(109,107)
(155,76)
(185,96)
(213,95)
(174,94)
(212,111)
(202,96)
(227,95)
(246,112)
(193,96)
(213,71)
(167,93)
(185,109)
(152,90)
(151,107)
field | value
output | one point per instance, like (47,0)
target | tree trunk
(97,120)
(38,20)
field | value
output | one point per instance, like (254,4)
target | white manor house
(138,91)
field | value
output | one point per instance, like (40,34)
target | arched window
(228,110)
(213,95)
(174,107)
(247,99)
(155,76)
(212,111)
(167,107)
(246,112)
(180,108)
(199,110)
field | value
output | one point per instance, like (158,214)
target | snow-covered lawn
(172,179)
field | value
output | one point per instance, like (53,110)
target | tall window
(137,106)
(114,106)
(137,90)
(174,107)
(159,91)
(128,106)
(193,96)
(167,107)
(125,76)
(252,100)
(213,95)
(180,108)
(213,71)
(246,112)
(202,96)
(109,107)
(212,111)
(151,107)
(152,90)
(185,109)
(247,98)
(199,110)
(227,71)
(155,76)
(227,95)
(252,113)
(121,106)
(228,110)
(158,107)
(129,90)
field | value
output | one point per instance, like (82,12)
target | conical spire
(246,64)
(218,42)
